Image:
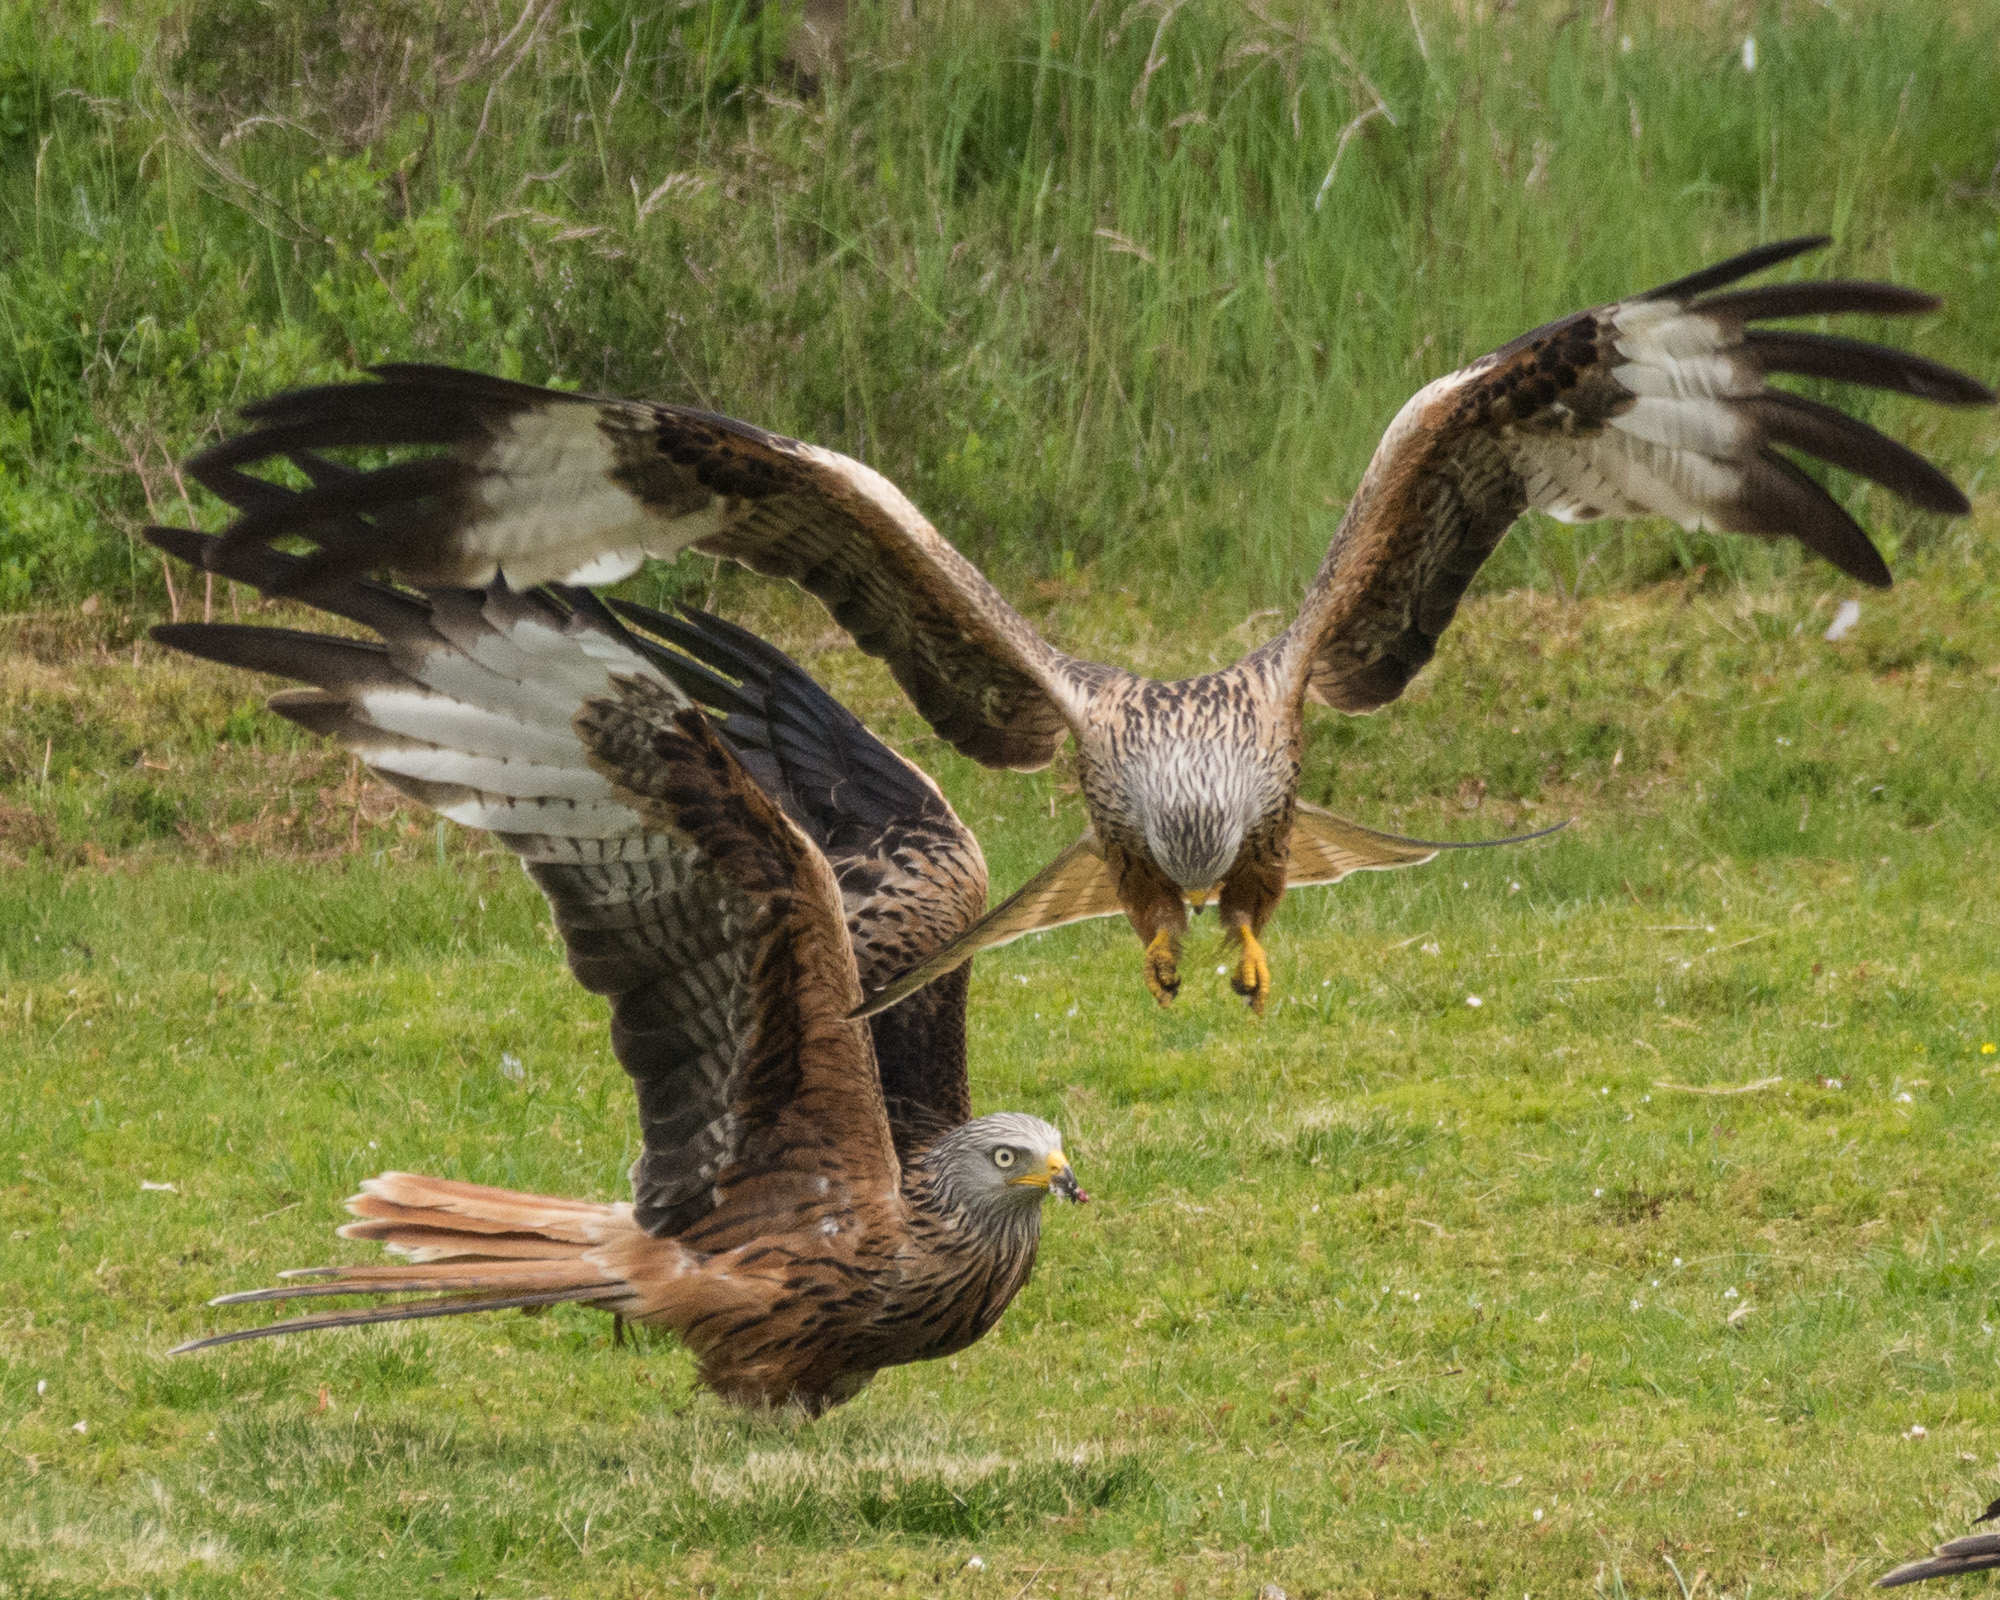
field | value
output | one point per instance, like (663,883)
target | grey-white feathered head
(1006,1163)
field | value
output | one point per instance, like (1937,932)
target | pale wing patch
(1699,377)
(1581,478)
(520,780)
(497,814)
(488,740)
(468,728)
(550,507)
(1706,427)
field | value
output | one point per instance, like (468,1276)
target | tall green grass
(1129,287)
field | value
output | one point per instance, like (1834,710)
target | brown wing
(538,486)
(911,874)
(808,1130)
(681,892)
(1652,406)
(1072,888)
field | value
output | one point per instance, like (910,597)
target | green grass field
(1667,1269)
(1386,1295)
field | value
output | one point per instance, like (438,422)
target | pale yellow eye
(1003,1158)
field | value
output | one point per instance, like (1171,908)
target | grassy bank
(1129,289)
(1388,1295)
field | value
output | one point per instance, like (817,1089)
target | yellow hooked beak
(1056,1177)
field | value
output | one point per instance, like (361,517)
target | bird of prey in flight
(1653,405)
(813,1200)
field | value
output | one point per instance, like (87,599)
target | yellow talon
(1163,973)
(1252,978)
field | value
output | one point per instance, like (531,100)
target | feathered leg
(1158,913)
(1250,894)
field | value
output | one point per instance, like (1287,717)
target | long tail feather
(369,1314)
(473,1249)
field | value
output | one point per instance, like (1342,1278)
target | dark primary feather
(1873,366)
(1819,297)
(834,778)
(1742,265)
(366,1316)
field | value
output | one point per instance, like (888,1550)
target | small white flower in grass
(1513,888)
(1073,1011)
(1474,1001)
(1021,980)
(1750,53)
(1603,1091)
(1645,1099)
(1625,44)
(42,1384)
(79,1427)
(1831,1083)
(1905,1098)
(1636,1304)
(1219,971)
(1597,1194)
(1729,1294)
(146,1185)
(975,1564)
(372,1145)
(1538,1513)
(1656,1283)
(510,1066)
(1917,1431)
(1677,1260)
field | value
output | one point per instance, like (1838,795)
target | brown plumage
(807,1208)
(1653,405)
